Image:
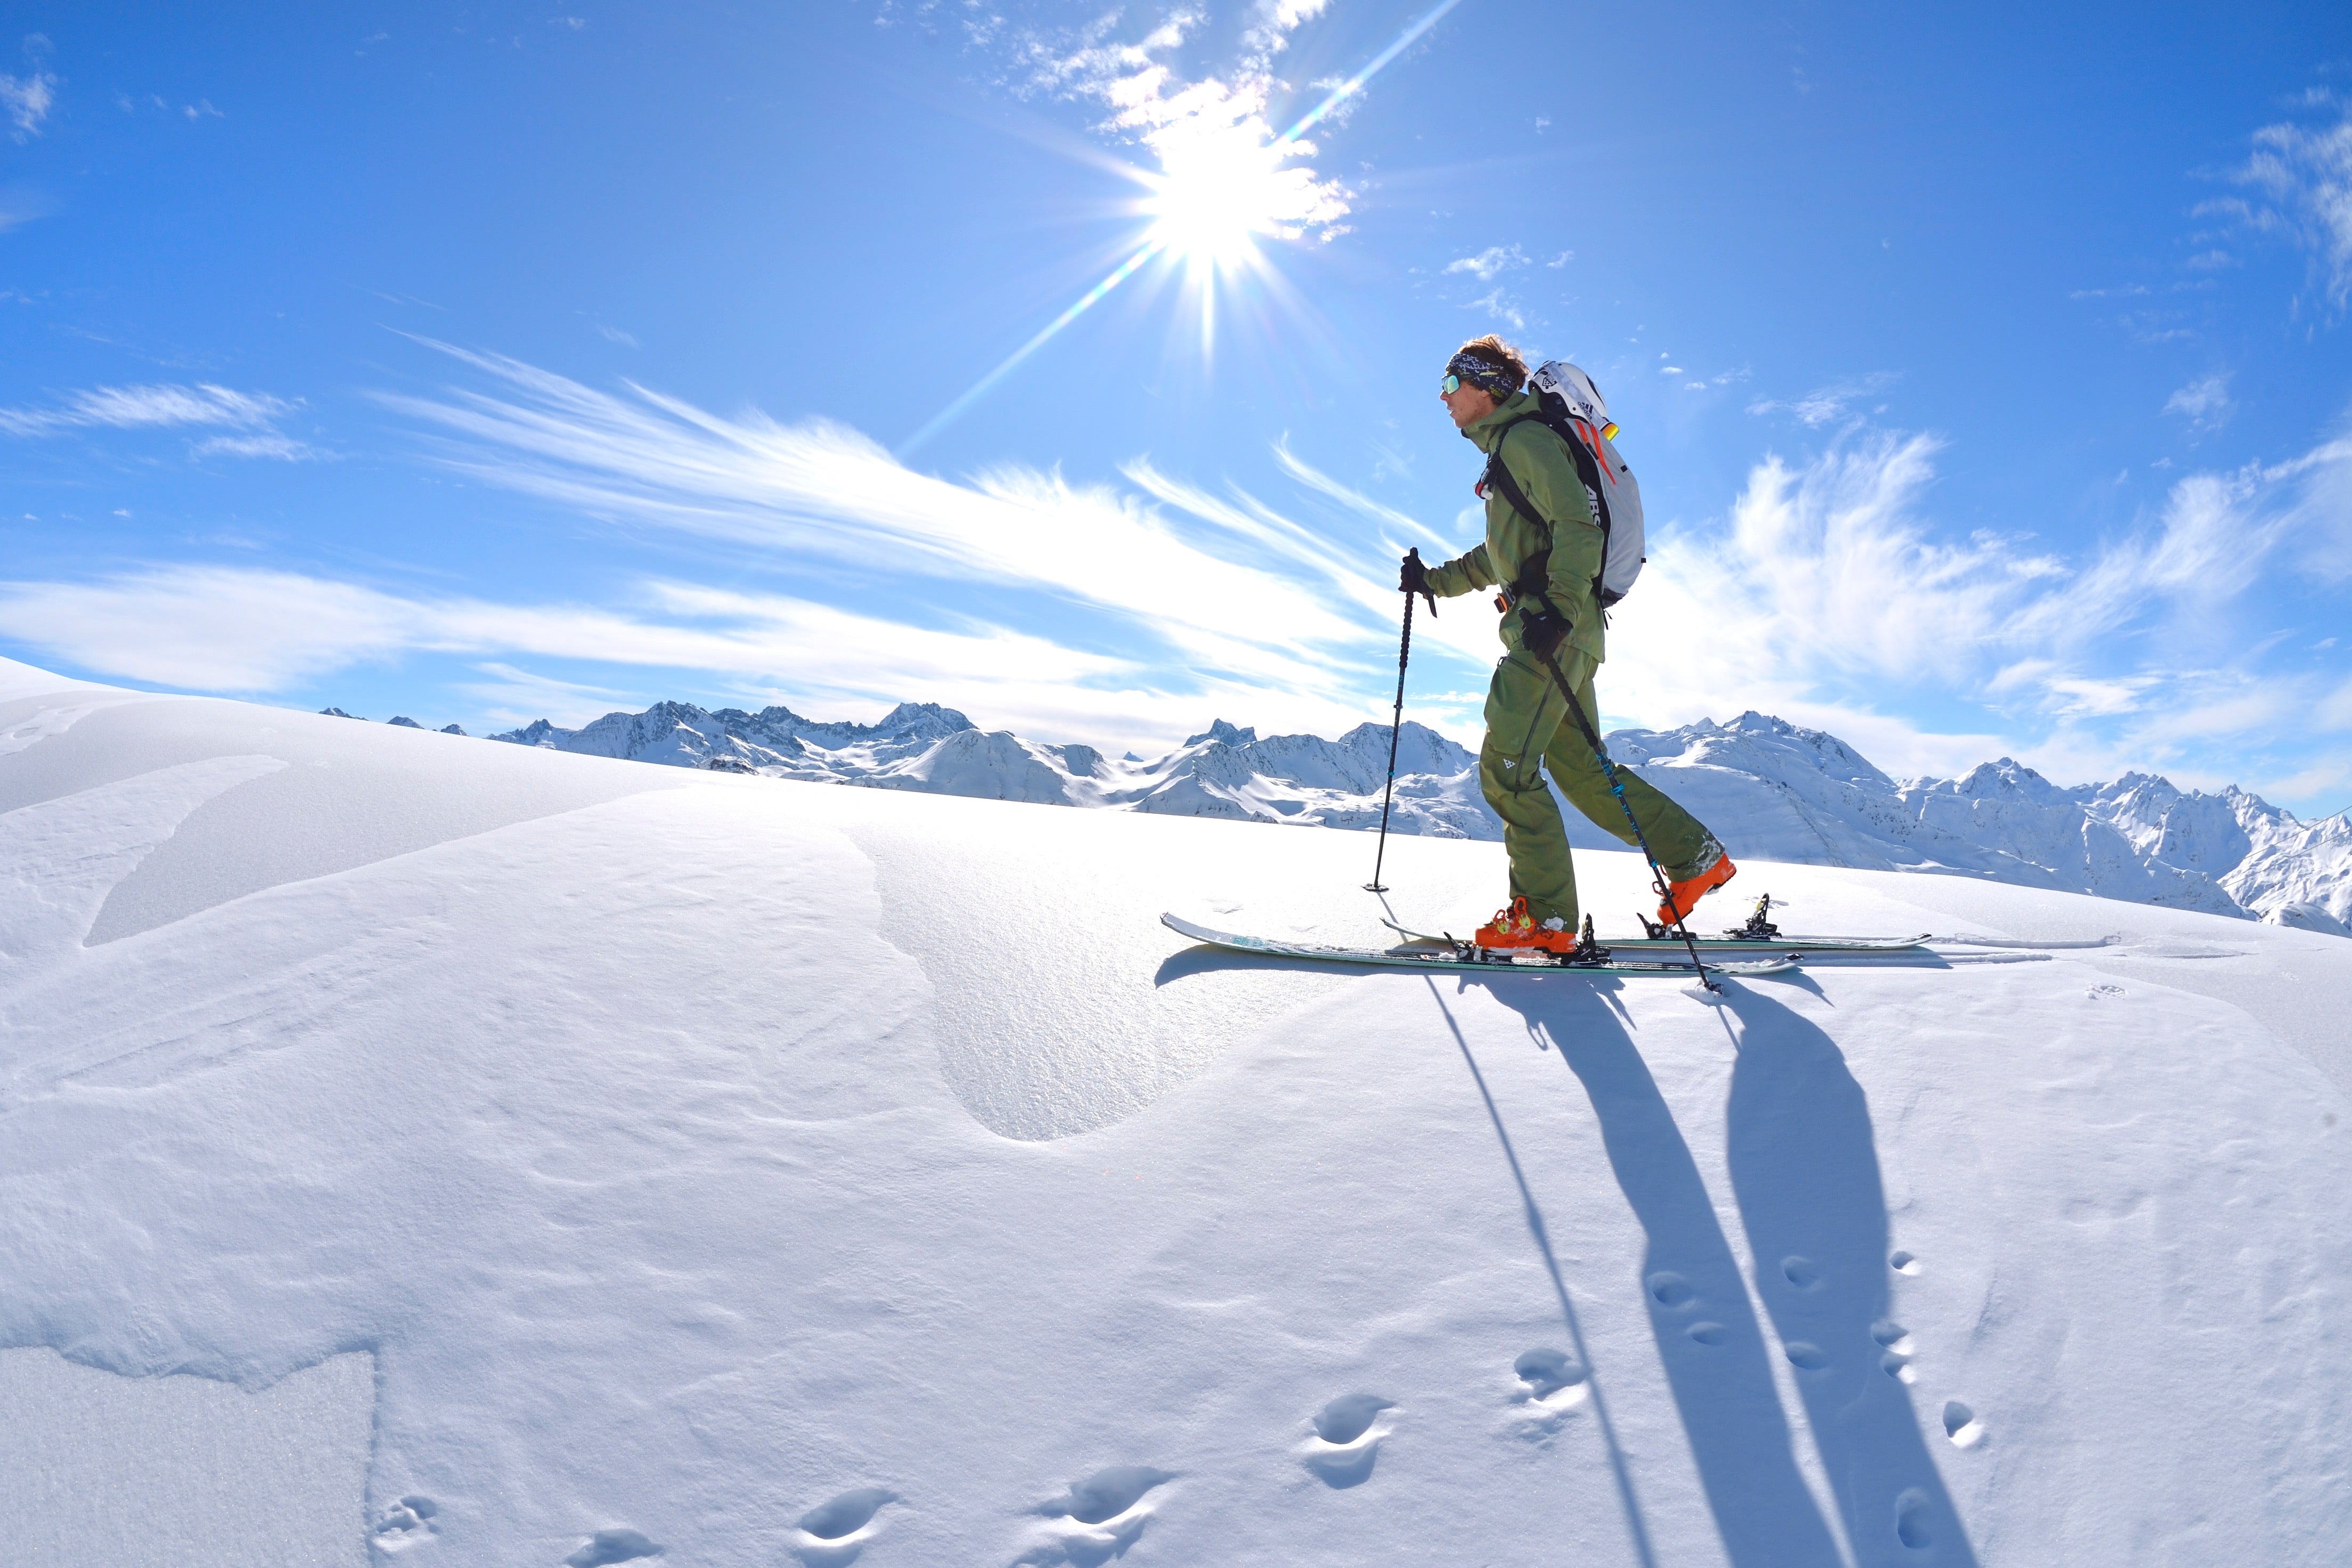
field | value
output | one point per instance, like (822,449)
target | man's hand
(1413,578)
(1541,633)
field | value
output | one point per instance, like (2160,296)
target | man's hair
(1500,354)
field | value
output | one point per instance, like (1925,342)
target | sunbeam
(1223,186)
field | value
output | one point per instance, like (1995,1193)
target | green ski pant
(1527,723)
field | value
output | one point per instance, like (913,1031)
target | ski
(1640,945)
(1436,953)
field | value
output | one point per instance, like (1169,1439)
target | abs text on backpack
(1572,408)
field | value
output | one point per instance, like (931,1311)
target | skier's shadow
(1804,1169)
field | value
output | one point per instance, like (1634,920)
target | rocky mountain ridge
(1770,789)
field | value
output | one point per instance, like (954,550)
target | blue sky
(1987,371)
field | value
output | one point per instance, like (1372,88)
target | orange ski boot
(1683,895)
(1514,927)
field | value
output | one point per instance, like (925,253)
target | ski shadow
(1709,1342)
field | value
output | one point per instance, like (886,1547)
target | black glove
(1412,577)
(1540,633)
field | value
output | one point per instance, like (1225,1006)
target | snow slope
(1771,790)
(759,1173)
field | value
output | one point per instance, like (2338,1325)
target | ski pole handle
(1414,555)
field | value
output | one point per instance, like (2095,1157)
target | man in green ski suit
(1553,611)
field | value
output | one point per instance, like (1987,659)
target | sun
(1223,185)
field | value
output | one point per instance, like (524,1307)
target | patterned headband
(1482,373)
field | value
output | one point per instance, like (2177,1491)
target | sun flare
(1225,183)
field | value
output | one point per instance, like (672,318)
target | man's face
(1468,404)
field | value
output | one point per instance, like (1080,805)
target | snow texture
(727,1171)
(1770,789)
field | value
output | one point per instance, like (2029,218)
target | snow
(96,1468)
(750,1172)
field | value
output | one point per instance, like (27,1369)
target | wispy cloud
(1490,263)
(234,629)
(1502,306)
(166,406)
(1218,594)
(284,449)
(2304,178)
(1825,404)
(26,99)
(129,408)
(2205,403)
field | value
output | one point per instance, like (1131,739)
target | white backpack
(1572,407)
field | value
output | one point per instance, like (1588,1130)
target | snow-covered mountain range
(1771,790)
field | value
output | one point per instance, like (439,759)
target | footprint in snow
(408,1522)
(1099,1520)
(609,1546)
(1903,1263)
(1347,1440)
(1894,1341)
(1671,1290)
(1913,1520)
(1961,1426)
(831,1534)
(1553,1386)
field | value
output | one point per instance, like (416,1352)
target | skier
(1552,628)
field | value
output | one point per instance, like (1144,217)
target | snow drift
(744,1172)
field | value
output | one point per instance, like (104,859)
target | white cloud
(1214,128)
(26,101)
(1824,404)
(132,407)
(1223,597)
(515,697)
(2204,402)
(167,406)
(208,628)
(283,447)
(2307,177)
(234,629)
(1490,263)
(1826,595)
(1502,306)
(1269,34)
(614,335)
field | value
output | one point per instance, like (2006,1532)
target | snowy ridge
(446,1154)
(1770,789)
(1225,771)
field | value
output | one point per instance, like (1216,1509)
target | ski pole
(1396,727)
(1617,788)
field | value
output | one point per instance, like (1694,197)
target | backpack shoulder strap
(1498,476)
(1535,571)
(1588,469)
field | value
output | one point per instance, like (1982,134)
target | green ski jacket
(1539,462)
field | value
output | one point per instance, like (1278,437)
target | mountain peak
(1771,789)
